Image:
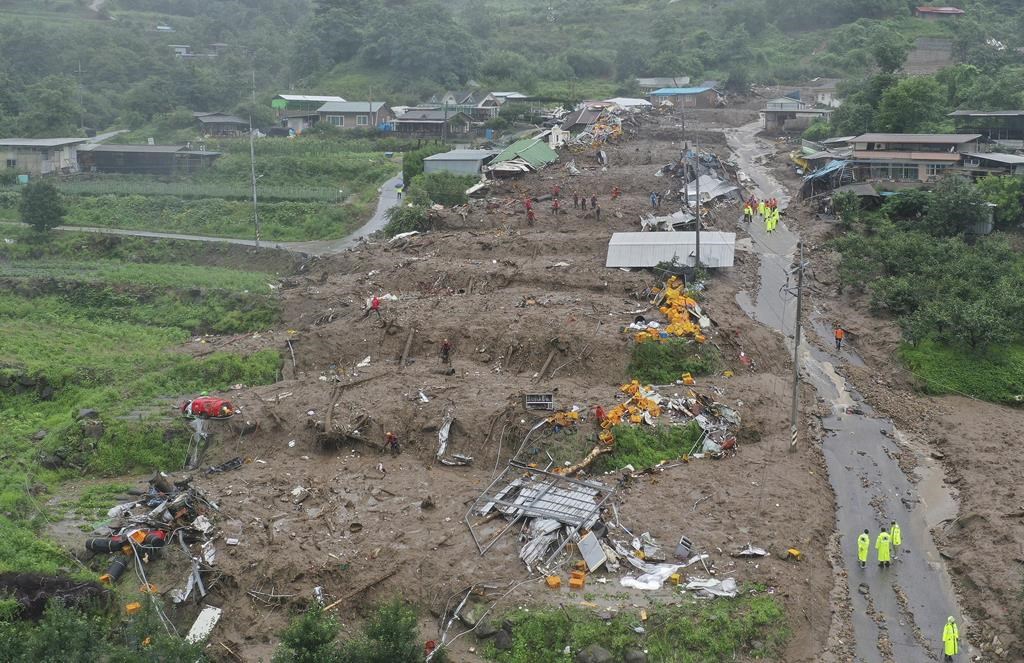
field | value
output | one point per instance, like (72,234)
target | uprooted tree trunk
(588,460)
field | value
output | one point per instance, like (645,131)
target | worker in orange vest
(840,335)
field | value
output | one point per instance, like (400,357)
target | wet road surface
(899,612)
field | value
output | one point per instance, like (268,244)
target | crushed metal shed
(647,249)
(534,151)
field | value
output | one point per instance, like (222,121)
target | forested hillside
(70,63)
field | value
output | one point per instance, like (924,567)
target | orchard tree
(41,207)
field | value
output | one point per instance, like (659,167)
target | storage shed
(458,162)
(647,249)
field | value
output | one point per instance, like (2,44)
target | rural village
(620,374)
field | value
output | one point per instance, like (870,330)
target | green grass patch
(95,501)
(996,374)
(664,363)
(216,217)
(645,446)
(115,272)
(702,632)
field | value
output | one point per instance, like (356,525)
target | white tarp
(628,102)
(204,624)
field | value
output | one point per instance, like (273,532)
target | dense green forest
(64,65)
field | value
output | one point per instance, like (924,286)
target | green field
(100,334)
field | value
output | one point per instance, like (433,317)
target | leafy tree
(911,105)
(954,207)
(41,206)
(310,638)
(974,323)
(847,206)
(890,51)
(1007,193)
(444,188)
(390,636)
(49,108)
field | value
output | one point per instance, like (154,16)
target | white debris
(204,624)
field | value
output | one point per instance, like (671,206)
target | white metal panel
(647,249)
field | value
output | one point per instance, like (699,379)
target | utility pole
(252,168)
(799,269)
(253,91)
(81,101)
(696,179)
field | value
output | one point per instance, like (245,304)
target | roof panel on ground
(648,249)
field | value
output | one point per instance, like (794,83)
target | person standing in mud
(391,441)
(882,547)
(863,544)
(950,639)
(840,334)
(897,538)
(446,352)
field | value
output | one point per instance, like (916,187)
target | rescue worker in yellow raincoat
(863,545)
(951,639)
(882,544)
(761,207)
(897,538)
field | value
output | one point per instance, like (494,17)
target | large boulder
(633,655)
(594,654)
(503,640)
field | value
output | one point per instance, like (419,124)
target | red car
(208,407)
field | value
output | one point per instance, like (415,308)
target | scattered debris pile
(685,316)
(169,512)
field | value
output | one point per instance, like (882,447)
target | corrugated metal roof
(663,81)
(674,91)
(140,149)
(308,97)
(929,139)
(220,118)
(351,107)
(941,10)
(971,113)
(461,155)
(998,157)
(647,249)
(429,115)
(39,142)
(830,167)
(535,151)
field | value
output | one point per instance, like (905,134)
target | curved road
(388,199)
(898,613)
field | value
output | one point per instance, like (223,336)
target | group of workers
(886,542)
(768,210)
(578,202)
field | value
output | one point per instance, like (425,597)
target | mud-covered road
(897,613)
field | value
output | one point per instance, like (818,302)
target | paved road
(388,199)
(912,599)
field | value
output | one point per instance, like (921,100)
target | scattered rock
(503,640)
(427,503)
(87,413)
(93,428)
(605,615)
(46,393)
(634,656)
(863,589)
(485,628)
(937,455)
(594,654)
(39,435)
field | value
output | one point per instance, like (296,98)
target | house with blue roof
(688,97)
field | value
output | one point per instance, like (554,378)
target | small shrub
(664,363)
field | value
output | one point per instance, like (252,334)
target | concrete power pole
(799,269)
(696,179)
(252,169)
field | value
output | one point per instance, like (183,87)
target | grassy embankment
(77,334)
